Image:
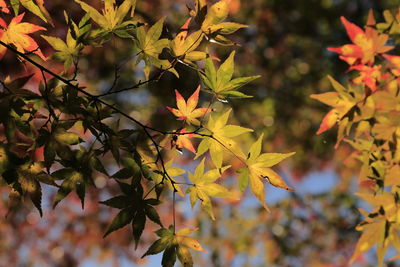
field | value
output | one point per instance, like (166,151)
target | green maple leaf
(134,209)
(221,138)
(149,42)
(66,51)
(204,187)
(258,169)
(36,7)
(151,46)
(111,17)
(72,180)
(220,81)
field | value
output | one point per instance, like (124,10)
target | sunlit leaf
(16,33)
(187,110)
(220,81)
(221,140)
(204,187)
(258,169)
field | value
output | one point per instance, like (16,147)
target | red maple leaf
(368,76)
(366,44)
(3,7)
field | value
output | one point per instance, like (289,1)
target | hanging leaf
(37,8)
(71,178)
(124,217)
(184,44)
(204,187)
(221,139)
(220,81)
(258,169)
(187,111)
(174,245)
(111,16)
(341,102)
(150,46)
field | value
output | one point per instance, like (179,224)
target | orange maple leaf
(340,101)
(368,76)
(187,111)
(328,121)
(16,34)
(3,7)
(183,141)
(366,44)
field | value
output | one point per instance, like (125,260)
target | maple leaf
(391,24)
(66,51)
(16,34)
(36,7)
(184,44)
(368,76)
(204,187)
(395,62)
(151,47)
(149,43)
(221,138)
(211,21)
(175,245)
(258,169)
(341,102)
(366,44)
(29,177)
(112,16)
(373,233)
(376,226)
(182,141)
(183,239)
(159,178)
(220,82)
(387,125)
(3,7)
(216,13)
(187,111)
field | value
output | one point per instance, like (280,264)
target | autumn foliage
(59,129)
(366,111)
(69,124)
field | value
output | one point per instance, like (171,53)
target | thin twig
(173,210)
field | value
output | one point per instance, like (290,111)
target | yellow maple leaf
(258,166)
(373,233)
(204,187)
(183,239)
(341,101)
(221,140)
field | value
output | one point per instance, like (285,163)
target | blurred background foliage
(286,43)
